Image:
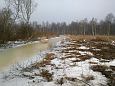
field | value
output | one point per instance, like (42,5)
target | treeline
(83,27)
(15,24)
(11,31)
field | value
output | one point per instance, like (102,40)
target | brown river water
(13,55)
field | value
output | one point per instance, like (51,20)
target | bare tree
(83,26)
(109,19)
(14,6)
(93,26)
(27,8)
(5,24)
(22,11)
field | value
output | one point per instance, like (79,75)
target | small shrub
(71,79)
(112,67)
(60,81)
(48,76)
(93,62)
(49,56)
(99,68)
(83,58)
(45,61)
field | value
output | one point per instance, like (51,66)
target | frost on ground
(69,63)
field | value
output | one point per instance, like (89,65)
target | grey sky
(1,3)
(71,10)
(68,10)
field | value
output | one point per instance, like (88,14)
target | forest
(17,25)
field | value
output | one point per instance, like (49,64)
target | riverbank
(69,63)
(14,44)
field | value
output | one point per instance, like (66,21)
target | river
(13,55)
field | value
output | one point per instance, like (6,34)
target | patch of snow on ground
(85,53)
(15,82)
(112,63)
(83,47)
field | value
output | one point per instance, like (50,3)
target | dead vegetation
(48,76)
(99,68)
(45,61)
(100,46)
(105,70)
(87,78)
(85,57)
(92,38)
(91,62)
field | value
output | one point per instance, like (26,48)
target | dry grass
(49,56)
(83,58)
(71,79)
(99,68)
(88,78)
(112,67)
(45,61)
(48,76)
(93,62)
(91,38)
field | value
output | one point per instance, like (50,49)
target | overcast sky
(68,10)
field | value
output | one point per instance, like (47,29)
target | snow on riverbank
(63,65)
(15,44)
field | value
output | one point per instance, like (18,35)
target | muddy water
(13,55)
